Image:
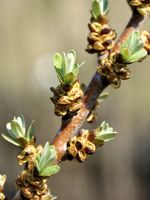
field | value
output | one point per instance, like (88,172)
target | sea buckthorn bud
(67,100)
(80,147)
(113,70)
(101,37)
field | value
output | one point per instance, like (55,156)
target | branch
(98,83)
(72,126)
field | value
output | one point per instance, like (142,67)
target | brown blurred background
(31,31)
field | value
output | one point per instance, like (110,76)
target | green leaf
(48,156)
(16,129)
(105,133)
(17,134)
(48,171)
(45,162)
(21,121)
(30,132)
(133,42)
(104,6)
(107,136)
(99,8)
(138,56)
(11,133)
(10,140)
(95,9)
(132,49)
(66,67)
(57,60)
(70,61)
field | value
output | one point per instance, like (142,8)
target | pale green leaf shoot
(17,133)
(132,49)
(46,161)
(99,8)
(105,133)
(66,67)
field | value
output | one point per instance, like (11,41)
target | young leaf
(66,67)
(99,8)
(57,60)
(70,61)
(47,157)
(21,121)
(138,56)
(105,133)
(104,6)
(48,171)
(17,129)
(95,9)
(45,163)
(30,131)
(132,49)
(10,140)
(11,133)
(17,134)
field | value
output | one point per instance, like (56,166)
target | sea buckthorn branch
(71,127)
(99,82)
(74,105)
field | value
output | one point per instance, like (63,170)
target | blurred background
(30,33)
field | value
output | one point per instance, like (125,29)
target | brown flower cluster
(80,147)
(67,99)
(28,155)
(142,6)
(101,37)
(32,187)
(145,36)
(113,71)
